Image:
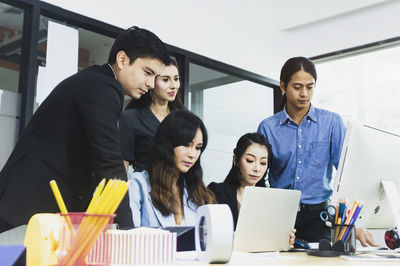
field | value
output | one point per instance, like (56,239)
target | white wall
(257,35)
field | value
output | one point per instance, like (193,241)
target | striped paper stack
(136,246)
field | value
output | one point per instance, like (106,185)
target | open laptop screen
(266,219)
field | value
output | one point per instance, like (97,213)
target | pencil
(104,202)
(352,221)
(110,202)
(96,194)
(61,204)
(337,212)
(87,223)
(348,219)
(338,218)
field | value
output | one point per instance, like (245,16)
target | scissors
(328,215)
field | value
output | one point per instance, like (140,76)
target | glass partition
(93,47)
(229,107)
(11,23)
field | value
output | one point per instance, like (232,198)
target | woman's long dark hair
(177,129)
(146,99)
(290,67)
(243,143)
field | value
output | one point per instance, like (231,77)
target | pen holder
(84,245)
(344,238)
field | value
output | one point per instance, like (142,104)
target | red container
(68,248)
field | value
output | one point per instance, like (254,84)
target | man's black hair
(137,42)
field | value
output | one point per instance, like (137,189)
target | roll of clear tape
(214,233)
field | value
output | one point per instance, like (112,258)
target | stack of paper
(137,246)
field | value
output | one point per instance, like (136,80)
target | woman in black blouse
(140,119)
(250,164)
(251,159)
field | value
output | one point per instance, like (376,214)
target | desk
(291,259)
(283,259)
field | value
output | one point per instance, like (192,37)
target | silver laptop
(266,219)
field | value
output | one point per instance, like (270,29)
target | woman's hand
(292,237)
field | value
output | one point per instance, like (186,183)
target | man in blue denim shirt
(304,155)
(306,144)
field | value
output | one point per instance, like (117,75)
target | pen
(348,218)
(306,246)
(344,212)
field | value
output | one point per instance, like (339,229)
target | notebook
(266,219)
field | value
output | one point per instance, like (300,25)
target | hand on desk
(292,237)
(365,237)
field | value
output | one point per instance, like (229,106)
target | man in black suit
(73,136)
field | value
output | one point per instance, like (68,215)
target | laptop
(266,219)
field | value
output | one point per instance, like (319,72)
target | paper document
(385,255)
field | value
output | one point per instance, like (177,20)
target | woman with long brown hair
(140,119)
(170,191)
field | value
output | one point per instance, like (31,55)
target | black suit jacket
(72,138)
(226,194)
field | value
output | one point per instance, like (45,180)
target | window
(93,48)
(230,107)
(247,97)
(365,87)
(11,23)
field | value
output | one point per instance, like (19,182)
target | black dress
(226,194)
(137,129)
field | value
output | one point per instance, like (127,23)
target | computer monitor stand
(393,197)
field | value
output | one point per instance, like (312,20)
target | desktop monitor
(368,156)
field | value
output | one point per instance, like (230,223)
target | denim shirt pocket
(319,153)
